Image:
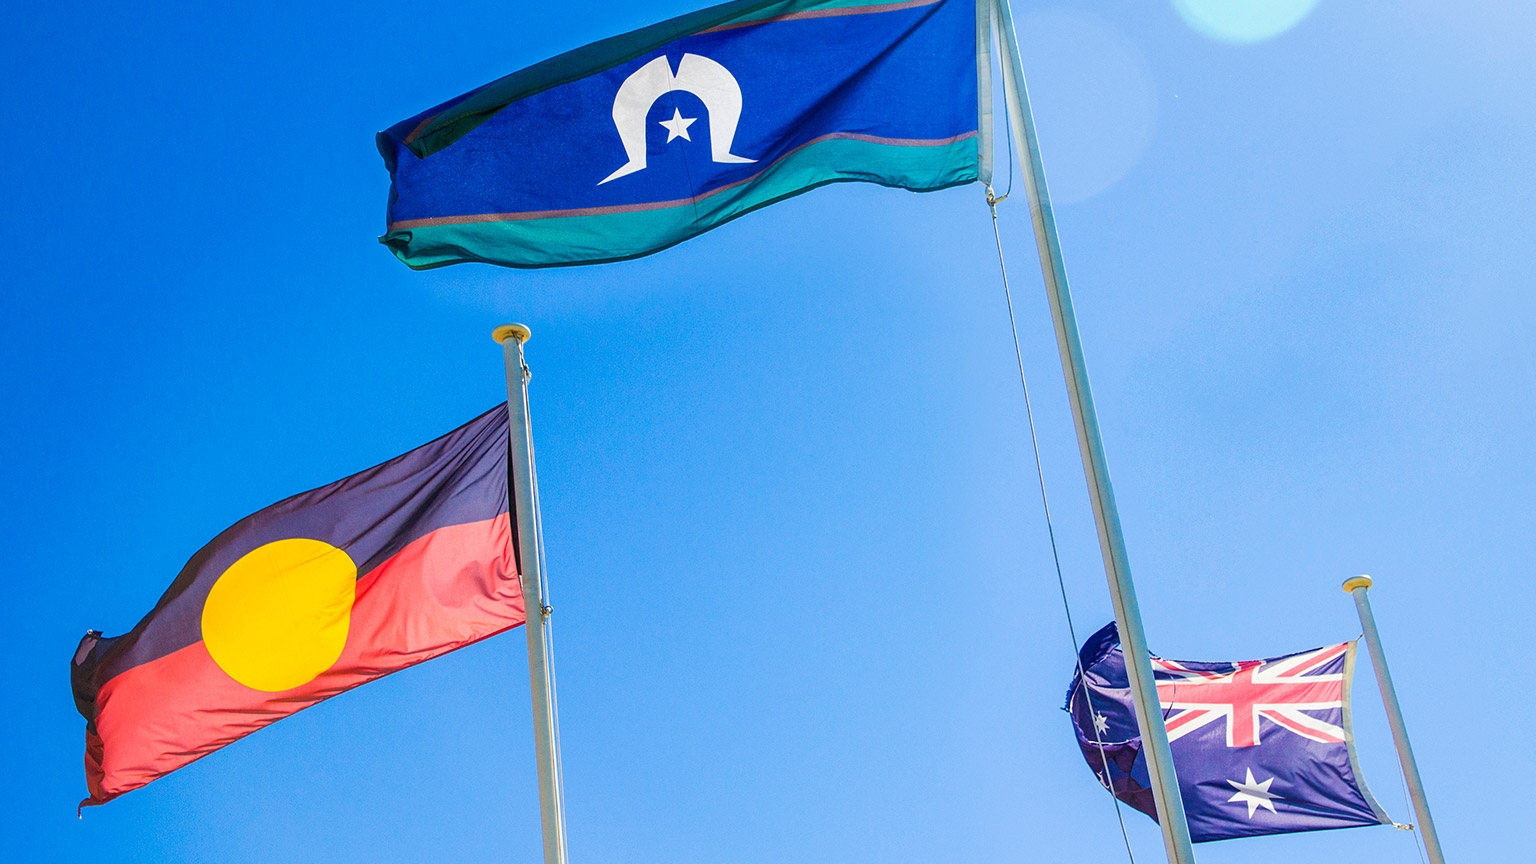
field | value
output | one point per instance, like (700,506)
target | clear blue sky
(805,609)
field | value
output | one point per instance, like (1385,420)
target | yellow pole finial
(511,331)
(1354,582)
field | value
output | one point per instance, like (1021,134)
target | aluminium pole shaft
(531,577)
(1357,587)
(1149,716)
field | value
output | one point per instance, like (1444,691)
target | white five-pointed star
(1100,724)
(1255,795)
(677,127)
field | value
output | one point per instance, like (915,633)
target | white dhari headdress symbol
(701,76)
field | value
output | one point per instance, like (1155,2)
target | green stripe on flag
(555,241)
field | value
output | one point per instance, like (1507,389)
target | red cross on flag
(1278,690)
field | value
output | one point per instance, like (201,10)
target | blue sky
(805,606)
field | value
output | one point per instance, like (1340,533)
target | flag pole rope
(1418,840)
(1045,506)
(547,608)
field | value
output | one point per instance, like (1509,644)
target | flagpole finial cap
(511,331)
(1356,582)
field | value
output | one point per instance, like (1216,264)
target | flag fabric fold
(300,601)
(627,146)
(1259,746)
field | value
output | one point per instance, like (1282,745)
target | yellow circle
(279,616)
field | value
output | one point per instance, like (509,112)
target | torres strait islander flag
(314,595)
(632,144)
(1259,746)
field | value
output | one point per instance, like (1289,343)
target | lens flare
(1243,21)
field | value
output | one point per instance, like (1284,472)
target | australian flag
(1260,746)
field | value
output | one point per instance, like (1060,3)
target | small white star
(677,127)
(1254,794)
(1100,724)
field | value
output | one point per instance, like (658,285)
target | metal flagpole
(1357,586)
(530,566)
(1149,717)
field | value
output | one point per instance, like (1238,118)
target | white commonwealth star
(1255,795)
(677,127)
(1100,724)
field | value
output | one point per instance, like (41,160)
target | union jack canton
(1260,746)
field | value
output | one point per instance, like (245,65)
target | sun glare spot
(1243,21)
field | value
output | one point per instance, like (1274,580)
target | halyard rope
(546,609)
(1045,506)
(1418,844)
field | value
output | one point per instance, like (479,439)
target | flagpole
(1357,587)
(1149,717)
(530,545)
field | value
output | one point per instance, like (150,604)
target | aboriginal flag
(293,604)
